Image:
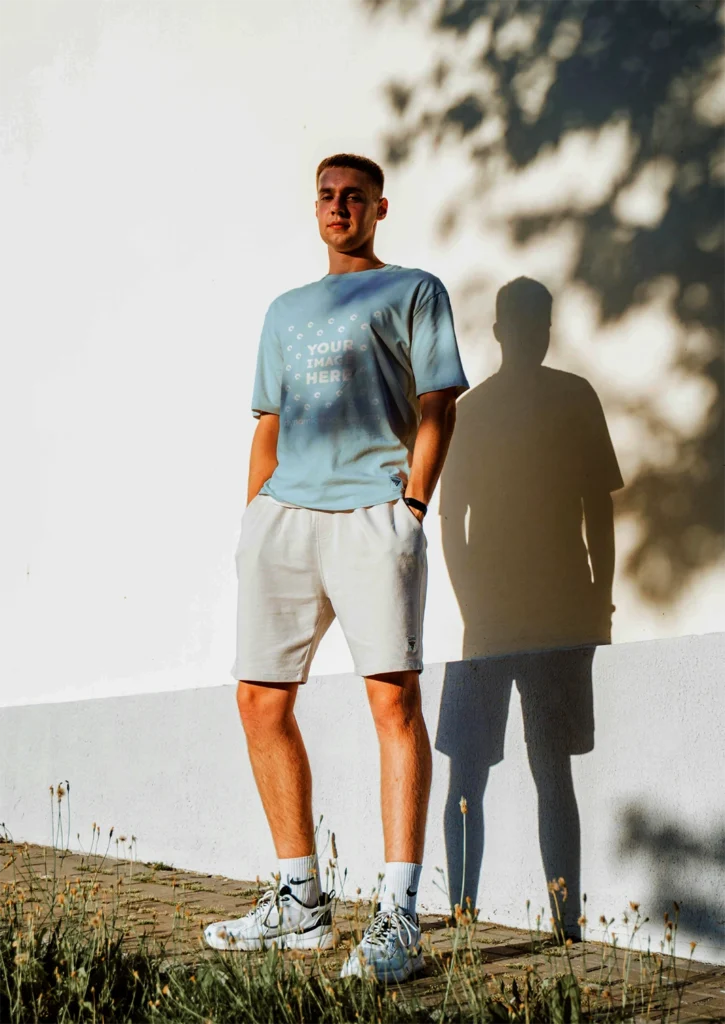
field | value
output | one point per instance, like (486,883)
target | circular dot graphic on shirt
(319,333)
(363,348)
(328,405)
(297,376)
(306,406)
(317,394)
(340,330)
(287,387)
(353,316)
(377,314)
(364,327)
(376,401)
(297,398)
(298,356)
(289,348)
(310,323)
(288,368)
(331,320)
(291,327)
(338,393)
(300,336)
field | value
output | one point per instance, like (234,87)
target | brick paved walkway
(176,905)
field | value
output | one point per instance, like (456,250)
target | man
(357,379)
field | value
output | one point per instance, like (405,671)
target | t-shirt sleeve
(434,353)
(267,392)
(600,469)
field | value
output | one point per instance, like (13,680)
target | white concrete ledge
(172,769)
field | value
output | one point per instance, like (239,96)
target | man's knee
(395,700)
(264,706)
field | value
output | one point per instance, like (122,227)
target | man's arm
(599,524)
(263,456)
(438,418)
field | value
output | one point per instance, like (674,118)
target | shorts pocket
(410,514)
(408,527)
(249,518)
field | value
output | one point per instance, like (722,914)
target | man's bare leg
(390,948)
(299,915)
(279,763)
(405,763)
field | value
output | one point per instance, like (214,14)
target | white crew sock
(400,886)
(302,875)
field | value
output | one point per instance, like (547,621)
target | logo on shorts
(412,644)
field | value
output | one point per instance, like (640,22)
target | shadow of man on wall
(528,537)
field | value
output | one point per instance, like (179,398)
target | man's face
(346,208)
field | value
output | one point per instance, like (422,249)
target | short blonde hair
(359,163)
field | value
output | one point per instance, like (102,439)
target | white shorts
(298,568)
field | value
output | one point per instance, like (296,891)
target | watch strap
(414,503)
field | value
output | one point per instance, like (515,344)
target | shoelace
(263,903)
(383,924)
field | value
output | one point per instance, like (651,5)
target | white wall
(157,182)
(172,770)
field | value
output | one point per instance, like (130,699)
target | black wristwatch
(414,503)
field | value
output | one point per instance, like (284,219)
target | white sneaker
(390,948)
(279,919)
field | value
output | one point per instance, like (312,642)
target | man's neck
(350,263)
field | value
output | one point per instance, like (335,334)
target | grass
(66,967)
(70,952)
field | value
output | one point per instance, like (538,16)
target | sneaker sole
(394,974)
(317,938)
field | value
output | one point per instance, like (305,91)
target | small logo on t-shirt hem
(412,644)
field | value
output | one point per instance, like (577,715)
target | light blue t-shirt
(342,361)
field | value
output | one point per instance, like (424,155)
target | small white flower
(297,398)
(328,404)
(317,394)
(319,333)
(354,316)
(298,356)
(300,336)
(310,323)
(338,393)
(363,348)
(377,314)
(291,327)
(364,327)
(289,348)
(331,320)
(288,368)
(297,376)
(340,330)
(287,387)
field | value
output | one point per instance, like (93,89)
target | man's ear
(382,208)
(497,333)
